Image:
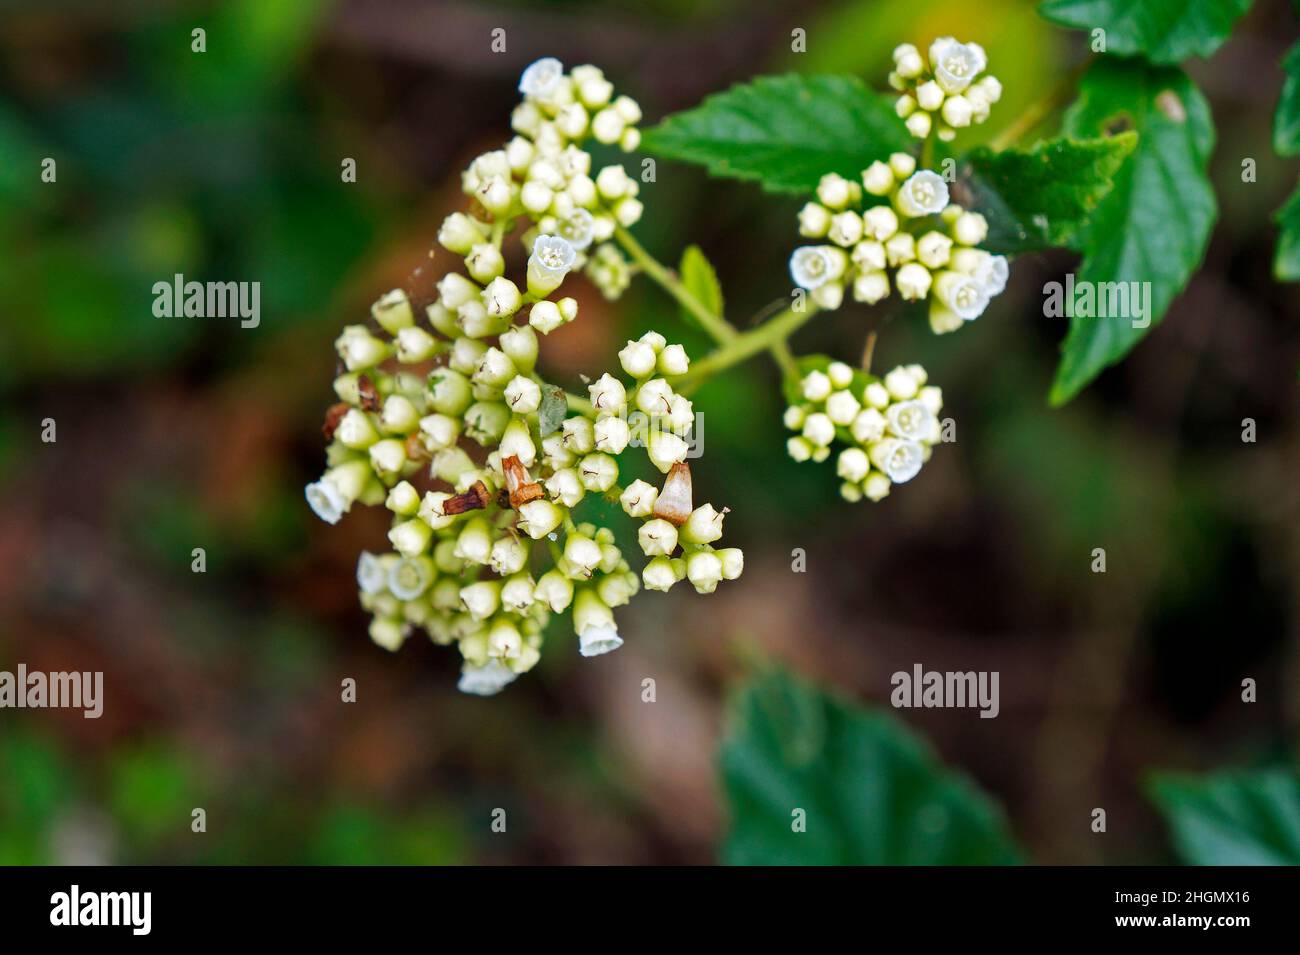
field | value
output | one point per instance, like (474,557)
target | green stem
(746,344)
(580,404)
(716,326)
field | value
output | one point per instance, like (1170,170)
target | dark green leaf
(872,791)
(701,281)
(1163,31)
(1233,818)
(1040,197)
(1154,224)
(784,131)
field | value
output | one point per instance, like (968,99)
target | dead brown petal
(674,501)
(476,498)
(368,393)
(521,487)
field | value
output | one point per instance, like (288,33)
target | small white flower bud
(868,426)
(509,555)
(612,434)
(359,349)
(910,65)
(799,448)
(654,340)
(905,106)
(819,429)
(929,96)
(878,178)
(449,392)
(566,487)
(393,311)
(704,526)
(638,499)
(733,562)
(598,472)
(356,430)
(673,361)
(415,345)
(579,435)
(523,395)
(900,384)
(846,228)
(971,228)
(704,570)
(411,537)
(582,553)
(612,183)
(913,281)
(833,191)
(932,398)
(852,464)
(501,297)
(659,575)
(957,111)
(881,222)
(665,449)
(900,248)
(607,126)
(869,255)
(608,394)
(388,633)
(814,220)
(918,124)
(519,343)
(816,386)
(539,518)
(545,317)
(403,499)
(794,416)
(934,249)
(876,486)
(474,543)
(388,456)
(495,368)
(654,397)
(991,88)
(555,590)
(842,407)
(657,537)
(459,233)
(482,598)
(454,290)
(484,262)
(840,374)
(399,415)
(876,395)
(517,442)
(638,359)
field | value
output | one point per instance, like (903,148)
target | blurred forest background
(223,689)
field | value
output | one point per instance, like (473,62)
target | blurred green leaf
(1039,197)
(1232,818)
(1286,257)
(1163,31)
(701,281)
(1286,120)
(1155,223)
(152,791)
(874,793)
(786,132)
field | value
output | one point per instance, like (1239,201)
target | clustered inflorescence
(945,84)
(895,231)
(480,461)
(890,425)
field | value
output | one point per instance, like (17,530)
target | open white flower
(409,577)
(594,623)
(924,193)
(909,419)
(899,459)
(542,78)
(955,64)
(811,267)
(486,680)
(372,573)
(549,263)
(577,228)
(992,273)
(964,296)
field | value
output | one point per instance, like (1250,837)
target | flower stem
(718,328)
(746,344)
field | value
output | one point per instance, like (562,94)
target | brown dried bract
(332,418)
(521,487)
(415,449)
(674,502)
(475,499)
(369,395)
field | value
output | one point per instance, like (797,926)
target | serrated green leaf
(785,132)
(1232,818)
(873,793)
(554,406)
(1154,225)
(1163,31)
(1039,198)
(1286,118)
(1286,257)
(700,279)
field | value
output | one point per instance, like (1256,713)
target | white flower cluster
(609,271)
(898,231)
(890,425)
(476,459)
(945,85)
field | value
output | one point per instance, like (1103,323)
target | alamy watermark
(181,299)
(34,689)
(926,689)
(1130,300)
